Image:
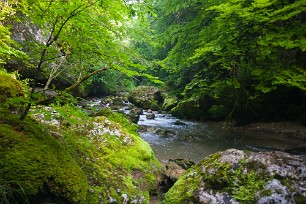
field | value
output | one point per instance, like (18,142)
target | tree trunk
(53,37)
(54,72)
(75,85)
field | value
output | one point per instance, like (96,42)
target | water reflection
(195,140)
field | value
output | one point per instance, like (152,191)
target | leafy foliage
(237,52)
(75,38)
(8,48)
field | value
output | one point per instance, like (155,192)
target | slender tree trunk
(75,85)
(39,68)
(53,37)
(51,77)
(54,72)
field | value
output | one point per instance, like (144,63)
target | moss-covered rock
(9,86)
(169,103)
(62,155)
(119,165)
(189,109)
(237,176)
(36,164)
(147,97)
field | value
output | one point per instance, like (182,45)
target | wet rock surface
(150,116)
(175,168)
(235,176)
(147,97)
(134,114)
(178,122)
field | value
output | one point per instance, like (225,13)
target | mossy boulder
(36,165)
(246,177)
(189,109)
(10,87)
(194,107)
(120,167)
(169,103)
(147,97)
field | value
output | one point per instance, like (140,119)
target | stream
(196,140)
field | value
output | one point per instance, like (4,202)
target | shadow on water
(196,140)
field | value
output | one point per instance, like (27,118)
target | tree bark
(75,85)
(54,72)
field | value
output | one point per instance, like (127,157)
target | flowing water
(195,140)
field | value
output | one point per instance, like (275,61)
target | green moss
(9,86)
(115,165)
(247,185)
(118,118)
(299,199)
(81,165)
(219,177)
(189,108)
(12,92)
(183,189)
(169,103)
(38,162)
(147,97)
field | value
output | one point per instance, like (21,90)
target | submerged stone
(150,116)
(178,122)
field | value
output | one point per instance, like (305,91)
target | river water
(196,140)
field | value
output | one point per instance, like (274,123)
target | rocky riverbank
(91,154)
(60,154)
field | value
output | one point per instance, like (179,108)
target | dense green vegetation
(236,60)
(62,44)
(239,61)
(244,60)
(59,154)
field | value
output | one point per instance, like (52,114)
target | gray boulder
(150,116)
(235,176)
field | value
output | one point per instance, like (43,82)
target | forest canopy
(241,60)
(71,38)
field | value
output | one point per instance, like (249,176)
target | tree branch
(52,38)
(74,86)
